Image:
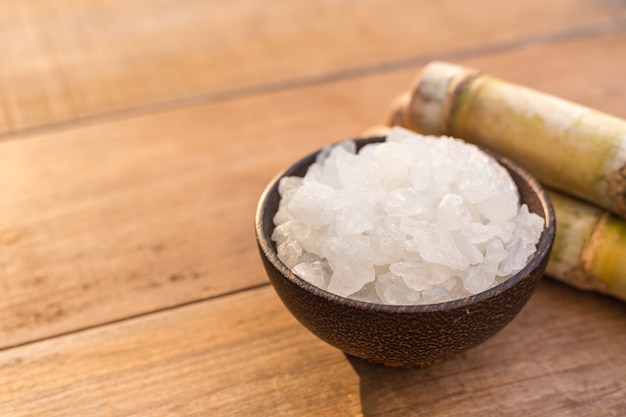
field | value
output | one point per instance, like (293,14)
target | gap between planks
(560,36)
(138,316)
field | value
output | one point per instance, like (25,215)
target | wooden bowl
(404,336)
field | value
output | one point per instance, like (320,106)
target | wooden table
(135,139)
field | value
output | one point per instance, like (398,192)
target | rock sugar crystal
(412,220)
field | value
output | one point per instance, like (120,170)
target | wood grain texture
(244,355)
(67,60)
(115,220)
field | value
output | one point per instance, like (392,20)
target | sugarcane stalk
(589,250)
(569,147)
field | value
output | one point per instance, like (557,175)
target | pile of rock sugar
(412,220)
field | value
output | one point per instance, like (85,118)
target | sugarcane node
(426,99)
(616,191)
(432,94)
(458,86)
(414,111)
(583,276)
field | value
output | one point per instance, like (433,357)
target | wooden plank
(110,221)
(245,355)
(67,59)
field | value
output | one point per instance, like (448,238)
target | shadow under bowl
(407,336)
